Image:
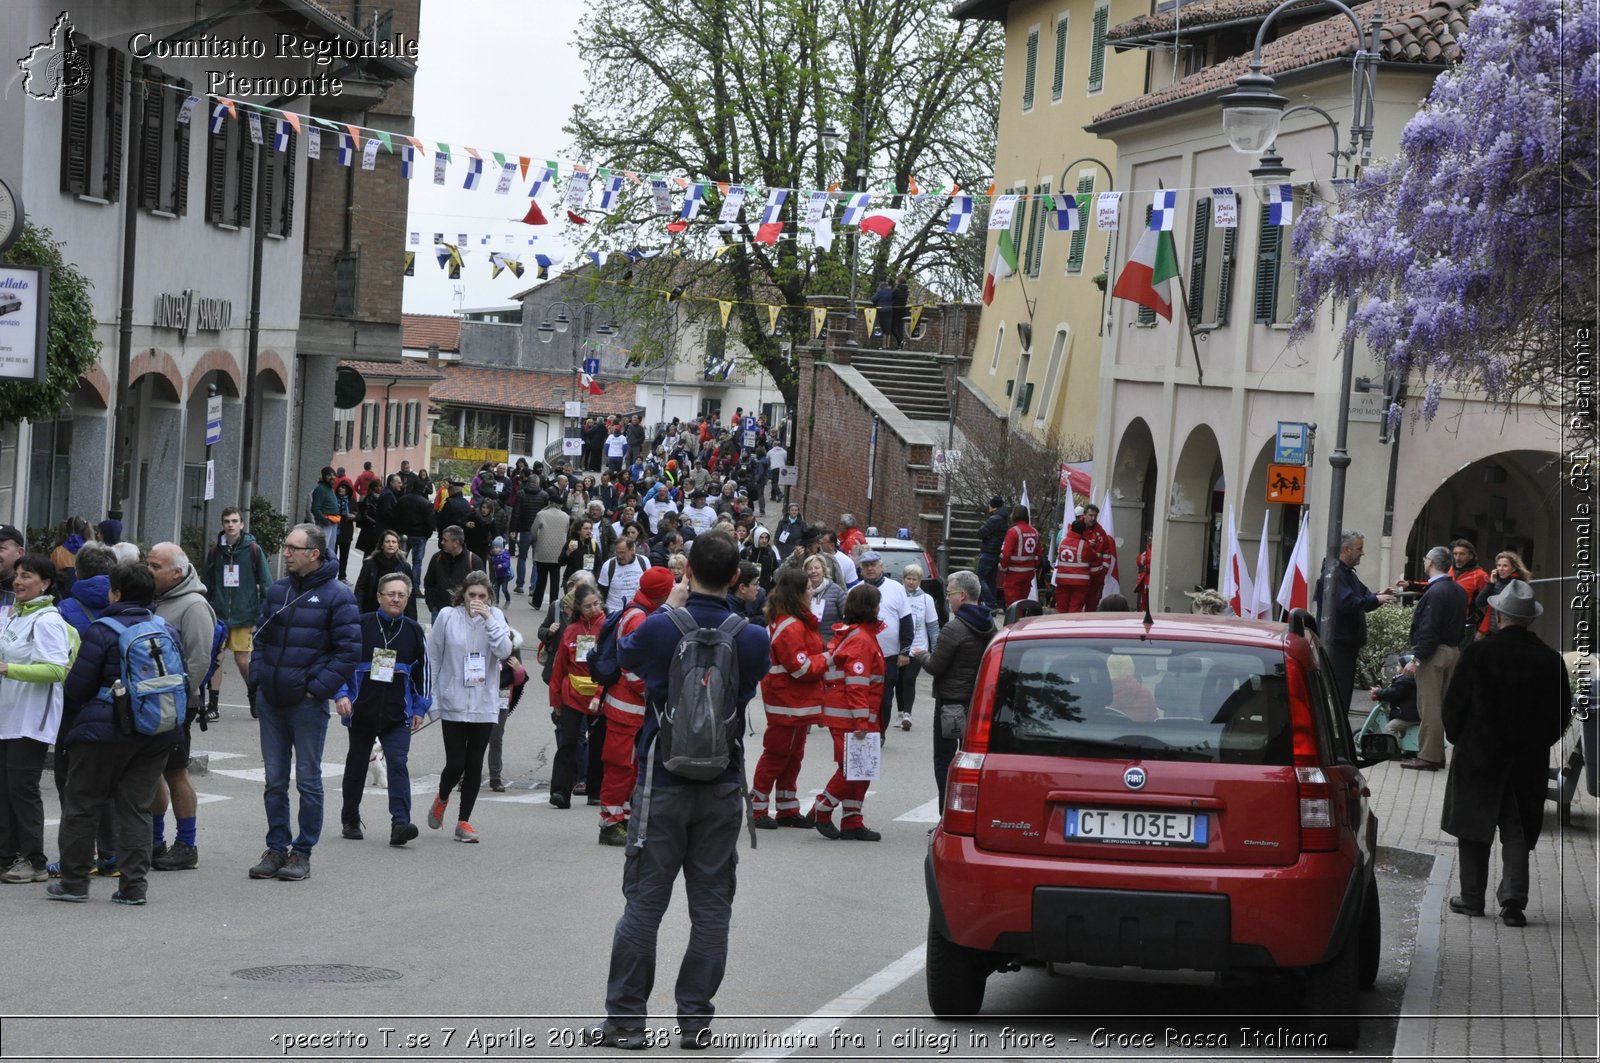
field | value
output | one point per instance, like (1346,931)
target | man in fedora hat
(1505,707)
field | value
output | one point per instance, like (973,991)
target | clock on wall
(10,217)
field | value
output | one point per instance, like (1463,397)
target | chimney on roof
(433,356)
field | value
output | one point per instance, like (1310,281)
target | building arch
(219,361)
(159,364)
(1191,537)
(270,368)
(1133,484)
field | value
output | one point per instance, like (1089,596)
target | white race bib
(585,648)
(383,662)
(474,669)
(230,575)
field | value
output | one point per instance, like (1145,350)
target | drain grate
(317,972)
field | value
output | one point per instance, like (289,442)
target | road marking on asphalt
(850,1003)
(260,774)
(521,799)
(215,755)
(206,799)
(927,812)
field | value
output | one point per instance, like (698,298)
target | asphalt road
(505,943)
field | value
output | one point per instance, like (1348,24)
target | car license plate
(1123,826)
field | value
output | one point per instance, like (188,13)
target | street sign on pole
(574,408)
(1290,448)
(213,420)
(1286,484)
(788,475)
(211,480)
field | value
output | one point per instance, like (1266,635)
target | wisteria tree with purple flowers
(1471,256)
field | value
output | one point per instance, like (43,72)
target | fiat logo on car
(1134,778)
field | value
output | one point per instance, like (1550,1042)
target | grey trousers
(1474,856)
(693,828)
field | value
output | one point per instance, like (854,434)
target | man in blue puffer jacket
(306,647)
(105,763)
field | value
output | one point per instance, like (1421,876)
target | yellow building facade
(1058,75)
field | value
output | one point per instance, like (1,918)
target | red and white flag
(1295,590)
(1112,584)
(1235,578)
(1144,279)
(881,221)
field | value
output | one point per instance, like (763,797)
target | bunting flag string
(369,155)
(960,215)
(611,191)
(408,162)
(733,199)
(186,111)
(280,137)
(347,150)
(474,172)
(1224,208)
(313,143)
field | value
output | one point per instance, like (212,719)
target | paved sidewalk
(1480,989)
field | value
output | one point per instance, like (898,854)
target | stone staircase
(914,382)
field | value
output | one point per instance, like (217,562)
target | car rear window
(1203,702)
(895,561)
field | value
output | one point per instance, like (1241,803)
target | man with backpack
(700,666)
(620,575)
(307,647)
(181,602)
(237,577)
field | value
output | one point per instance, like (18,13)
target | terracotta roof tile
(423,329)
(525,390)
(411,370)
(1428,33)
(1193,16)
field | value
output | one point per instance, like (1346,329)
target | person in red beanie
(623,708)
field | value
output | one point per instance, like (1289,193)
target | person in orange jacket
(851,702)
(792,690)
(575,697)
(622,705)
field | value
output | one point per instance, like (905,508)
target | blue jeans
(988,569)
(395,739)
(298,731)
(419,546)
(523,541)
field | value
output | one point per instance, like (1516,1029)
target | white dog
(377,769)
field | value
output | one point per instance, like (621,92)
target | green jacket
(238,606)
(323,503)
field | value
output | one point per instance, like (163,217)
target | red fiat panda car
(1182,796)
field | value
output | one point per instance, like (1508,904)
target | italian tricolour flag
(1145,278)
(1004,265)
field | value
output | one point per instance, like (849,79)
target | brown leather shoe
(1418,764)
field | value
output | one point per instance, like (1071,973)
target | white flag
(1033,586)
(440,161)
(1112,584)
(369,155)
(313,142)
(1000,214)
(507,172)
(1261,600)
(255,127)
(577,189)
(1105,211)
(1224,208)
(1295,590)
(731,204)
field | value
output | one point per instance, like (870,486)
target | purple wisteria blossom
(1472,253)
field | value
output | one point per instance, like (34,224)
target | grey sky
(494,75)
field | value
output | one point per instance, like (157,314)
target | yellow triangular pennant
(916,316)
(870,313)
(726,306)
(772,317)
(819,320)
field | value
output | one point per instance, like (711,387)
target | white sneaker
(905,722)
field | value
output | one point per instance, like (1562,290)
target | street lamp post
(830,137)
(580,315)
(1251,116)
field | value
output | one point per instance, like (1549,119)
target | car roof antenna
(1149,622)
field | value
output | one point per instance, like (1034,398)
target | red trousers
(1015,588)
(778,771)
(1073,598)
(840,791)
(617,756)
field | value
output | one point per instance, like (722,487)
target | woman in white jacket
(35,651)
(924,634)
(469,640)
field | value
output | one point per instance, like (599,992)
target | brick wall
(834,432)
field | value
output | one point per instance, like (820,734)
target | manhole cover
(317,972)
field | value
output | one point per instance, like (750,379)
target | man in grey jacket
(180,601)
(549,536)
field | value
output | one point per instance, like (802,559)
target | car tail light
(928,565)
(961,784)
(961,793)
(1317,830)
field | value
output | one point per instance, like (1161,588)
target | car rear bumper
(1155,917)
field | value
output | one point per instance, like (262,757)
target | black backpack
(699,722)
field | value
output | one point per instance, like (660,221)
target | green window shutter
(116,95)
(245,150)
(1060,77)
(1034,255)
(1080,236)
(1267,271)
(1197,261)
(1225,276)
(180,171)
(1028,75)
(216,175)
(1019,220)
(1146,315)
(76,123)
(150,143)
(1097,49)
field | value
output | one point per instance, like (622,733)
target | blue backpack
(219,635)
(605,667)
(152,673)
